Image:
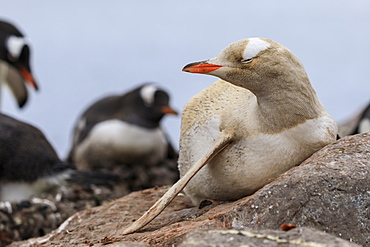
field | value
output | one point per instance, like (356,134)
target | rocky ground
(323,202)
(45,212)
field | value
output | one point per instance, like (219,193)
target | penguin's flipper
(222,142)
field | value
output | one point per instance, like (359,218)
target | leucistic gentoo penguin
(260,119)
(29,165)
(15,69)
(121,131)
(359,123)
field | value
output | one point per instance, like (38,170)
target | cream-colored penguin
(262,118)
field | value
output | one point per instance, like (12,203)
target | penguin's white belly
(250,163)
(17,191)
(123,142)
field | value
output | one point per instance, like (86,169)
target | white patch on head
(254,46)
(15,45)
(147,94)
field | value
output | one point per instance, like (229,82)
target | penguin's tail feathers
(92,178)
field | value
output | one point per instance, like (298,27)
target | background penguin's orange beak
(28,77)
(168,110)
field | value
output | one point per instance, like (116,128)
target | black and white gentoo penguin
(357,124)
(122,134)
(29,165)
(260,119)
(15,69)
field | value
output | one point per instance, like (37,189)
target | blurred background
(84,50)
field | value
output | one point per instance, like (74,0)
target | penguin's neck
(3,74)
(282,108)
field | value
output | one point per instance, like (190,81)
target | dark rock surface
(330,192)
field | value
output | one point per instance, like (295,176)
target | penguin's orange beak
(28,77)
(200,67)
(168,110)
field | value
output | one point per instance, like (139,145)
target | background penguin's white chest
(127,143)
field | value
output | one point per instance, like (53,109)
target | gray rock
(128,245)
(45,212)
(263,238)
(329,192)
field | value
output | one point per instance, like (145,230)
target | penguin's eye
(246,60)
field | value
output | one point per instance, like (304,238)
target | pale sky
(84,50)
